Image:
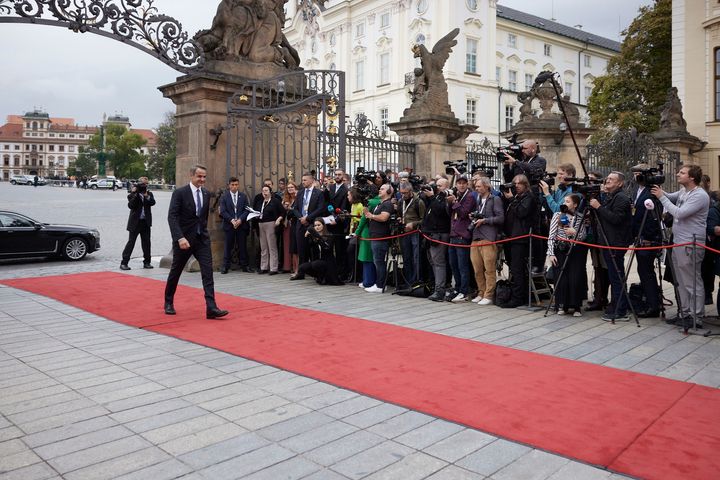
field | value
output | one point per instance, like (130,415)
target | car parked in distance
(104,183)
(26,180)
(23,237)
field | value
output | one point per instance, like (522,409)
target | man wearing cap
(461,203)
(649,236)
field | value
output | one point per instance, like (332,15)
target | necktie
(306,202)
(142,208)
(234,199)
(198,207)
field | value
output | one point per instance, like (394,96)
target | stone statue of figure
(671,117)
(249,30)
(430,92)
(525,98)
(573,113)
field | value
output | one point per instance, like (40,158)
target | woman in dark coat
(322,265)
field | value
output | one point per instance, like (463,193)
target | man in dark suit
(140,202)
(309,206)
(233,210)
(187,217)
(337,198)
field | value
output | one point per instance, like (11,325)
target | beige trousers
(483,256)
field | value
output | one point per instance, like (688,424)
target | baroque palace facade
(37,144)
(499,53)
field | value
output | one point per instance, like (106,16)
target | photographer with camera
(520,217)
(379,219)
(140,202)
(564,188)
(412,211)
(524,160)
(689,209)
(614,215)
(461,202)
(601,279)
(436,225)
(487,222)
(322,264)
(650,236)
(568,224)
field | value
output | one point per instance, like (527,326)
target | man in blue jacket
(233,210)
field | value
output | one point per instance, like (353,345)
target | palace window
(471,55)
(471,111)
(384,69)
(512,80)
(512,40)
(509,117)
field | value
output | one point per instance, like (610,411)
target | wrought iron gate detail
(371,149)
(483,155)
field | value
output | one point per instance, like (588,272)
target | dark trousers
(237,237)
(303,243)
(410,248)
(341,246)
(707,270)
(144,231)
(648,279)
(618,301)
(200,248)
(459,258)
(519,252)
(380,251)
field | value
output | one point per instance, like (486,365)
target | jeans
(379,251)
(459,258)
(618,301)
(437,254)
(410,245)
(368,274)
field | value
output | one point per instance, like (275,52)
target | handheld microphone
(331,209)
(649,204)
(338,211)
(564,220)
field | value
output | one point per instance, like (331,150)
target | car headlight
(95,233)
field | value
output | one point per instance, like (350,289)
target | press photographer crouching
(322,265)
(649,236)
(614,216)
(487,223)
(569,224)
(412,211)
(520,216)
(379,219)
(436,225)
(689,209)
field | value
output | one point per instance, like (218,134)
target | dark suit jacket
(182,218)
(228,212)
(316,207)
(338,197)
(651,230)
(615,215)
(534,167)
(136,203)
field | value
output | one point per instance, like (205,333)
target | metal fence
(372,149)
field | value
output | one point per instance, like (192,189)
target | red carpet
(636,424)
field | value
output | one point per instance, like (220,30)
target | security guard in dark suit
(140,202)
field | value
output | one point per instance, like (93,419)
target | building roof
(557,28)
(148,135)
(11,132)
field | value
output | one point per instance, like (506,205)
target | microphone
(649,204)
(331,209)
(564,220)
(338,211)
(543,77)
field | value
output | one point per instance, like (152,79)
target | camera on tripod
(650,176)
(483,169)
(416,181)
(452,165)
(586,186)
(363,177)
(397,227)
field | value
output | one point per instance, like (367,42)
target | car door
(19,236)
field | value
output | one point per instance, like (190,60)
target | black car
(23,237)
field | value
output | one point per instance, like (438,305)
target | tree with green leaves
(86,164)
(121,150)
(162,161)
(635,87)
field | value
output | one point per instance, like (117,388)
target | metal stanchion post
(694,330)
(529,307)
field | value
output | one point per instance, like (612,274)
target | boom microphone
(649,204)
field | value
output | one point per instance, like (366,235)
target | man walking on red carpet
(187,217)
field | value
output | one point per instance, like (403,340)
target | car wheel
(75,248)
(13,182)
(94,187)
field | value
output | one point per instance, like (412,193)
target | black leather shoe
(511,304)
(261,272)
(223,270)
(215,313)
(124,267)
(594,307)
(169,309)
(147,265)
(273,273)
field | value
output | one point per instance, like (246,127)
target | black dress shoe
(147,265)
(124,267)
(261,272)
(223,270)
(594,307)
(273,273)
(169,309)
(511,304)
(215,313)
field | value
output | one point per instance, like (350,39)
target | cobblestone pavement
(87,398)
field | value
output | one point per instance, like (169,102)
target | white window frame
(360,75)
(509,117)
(529,81)
(384,69)
(471,111)
(512,40)
(547,49)
(471,49)
(512,80)
(384,116)
(385,20)
(360,30)
(587,61)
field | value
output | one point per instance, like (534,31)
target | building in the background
(696,74)
(37,144)
(499,53)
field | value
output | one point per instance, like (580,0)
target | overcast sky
(84,75)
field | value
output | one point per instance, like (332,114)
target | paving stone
(68,431)
(575,471)
(326,474)
(9,433)
(415,466)
(140,399)
(493,457)
(317,437)
(184,428)
(374,415)
(535,465)
(248,463)
(146,411)
(37,471)
(20,459)
(371,460)
(452,472)
(82,442)
(51,410)
(343,448)
(463,443)
(294,426)
(165,419)
(98,454)
(272,417)
(292,469)
(113,468)
(400,424)
(428,434)
(329,398)
(62,419)
(350,407)
(167,470)
(223,450)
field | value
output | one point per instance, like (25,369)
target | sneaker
(362,285)
(449,295)
(609,317)
(437,297)
(485,301)
(374,289)
(560,312)
(477,299)
(460,297)
(577,313)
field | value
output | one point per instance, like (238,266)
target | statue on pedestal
(430,92)
(671,117)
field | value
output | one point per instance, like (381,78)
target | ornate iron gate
(483,156)
(273,127)
(625,149)
(371,149)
